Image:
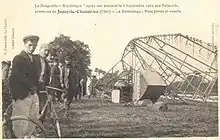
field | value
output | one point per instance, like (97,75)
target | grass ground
(98,118)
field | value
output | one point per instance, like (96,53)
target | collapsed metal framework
(187,65)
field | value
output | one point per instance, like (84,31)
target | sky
(107,35)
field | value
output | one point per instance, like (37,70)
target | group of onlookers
(29,73)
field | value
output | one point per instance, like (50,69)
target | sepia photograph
(119,69)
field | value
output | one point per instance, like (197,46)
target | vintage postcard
(110,69)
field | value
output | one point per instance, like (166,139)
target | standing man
(82,81)
(5,69)
(68,82)
(78,93)
(24,82)
(44,78)
(83,85)
(44,73)
(6,96)
(61,67)
(94,80)
(55,79)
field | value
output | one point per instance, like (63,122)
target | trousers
(69,94)
(28,107)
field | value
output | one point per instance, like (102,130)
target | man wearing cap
(24,82)
(68,82)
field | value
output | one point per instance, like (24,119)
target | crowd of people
(29,73)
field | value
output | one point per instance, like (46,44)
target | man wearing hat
(24,81)
(68,82)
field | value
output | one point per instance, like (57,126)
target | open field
(97,118)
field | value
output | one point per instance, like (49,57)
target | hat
(6,63)
(31,37)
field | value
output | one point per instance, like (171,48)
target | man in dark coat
(24,74)
(24,81)
(55,78)
(68,82)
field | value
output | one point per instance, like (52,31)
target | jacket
(24,76)
(44,78)
(68,77)
(55,77)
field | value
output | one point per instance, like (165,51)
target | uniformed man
(24,81)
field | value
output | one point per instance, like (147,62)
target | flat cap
(31,37)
